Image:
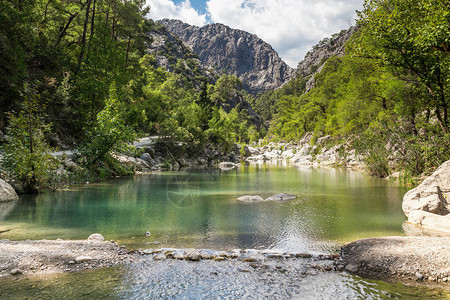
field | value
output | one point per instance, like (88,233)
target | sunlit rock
(82,258)
(97,237)
(428,204)
(7,192)
(227,166)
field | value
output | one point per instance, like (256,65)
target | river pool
(198,209)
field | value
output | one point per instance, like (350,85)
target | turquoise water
(199,209)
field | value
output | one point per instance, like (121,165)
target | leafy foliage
(27,156)
(389,93)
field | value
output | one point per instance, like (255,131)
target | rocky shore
(59,256)
(411,260)
(322,154)
(406,259)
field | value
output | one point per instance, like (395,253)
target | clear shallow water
(199,209)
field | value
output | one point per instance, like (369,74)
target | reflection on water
(199,209)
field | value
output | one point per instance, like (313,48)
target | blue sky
(292,27)
(198,5)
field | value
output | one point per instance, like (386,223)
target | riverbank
(411,260)
(59,256)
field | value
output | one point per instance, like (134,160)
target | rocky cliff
(326,48)
(172,54)
(233,51)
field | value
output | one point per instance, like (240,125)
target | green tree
(27,157)
(111,132)
(412,37)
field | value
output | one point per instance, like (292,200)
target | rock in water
(7,192)
(251,198)
(281,197)
(227,166)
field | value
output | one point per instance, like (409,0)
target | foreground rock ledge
(43,256)
(409,259)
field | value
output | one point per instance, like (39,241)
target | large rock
(7,192)
(432,194)
(428,203)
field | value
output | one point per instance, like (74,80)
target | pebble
(96,237)
(159,256)
(82,258)
(243,270)
(303,255)
(419,276)
(194,256)
(219,258)
(249,259)
(351,268)
(16,272)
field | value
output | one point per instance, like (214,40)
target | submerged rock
(281,197)
(251,198)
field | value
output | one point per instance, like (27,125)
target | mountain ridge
(234,51)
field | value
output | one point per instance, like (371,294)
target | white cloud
(292,27)
(160,9)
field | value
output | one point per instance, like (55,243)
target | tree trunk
(128,50)
(83,38)
(92,30)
